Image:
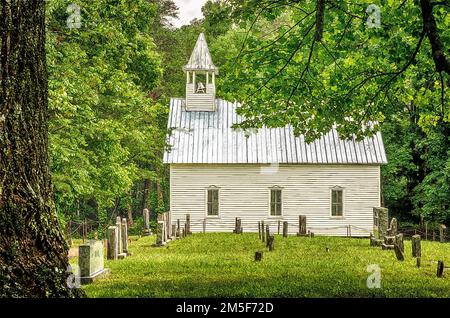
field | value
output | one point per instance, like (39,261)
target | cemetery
(174,262)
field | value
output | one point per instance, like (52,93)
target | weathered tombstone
(380,222)
(262,231)
(415,243)
(119,226)
(258,256)
(442,233)
(188,224)
(389,242)
(146,215)
(374,241)
(270,241)
(113,240)
(399,242)
(160,233)
(237,226)
(285,229)
(301,225)
(124,229)
(440,269)
(398,253)
(178,228)
(174,231)
(185,231)
(418,262)
(434,236)
(204,225)
(279,225)
(393,227)
(311,234)
(90,261)
(267,234)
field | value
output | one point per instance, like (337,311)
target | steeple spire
(201,58)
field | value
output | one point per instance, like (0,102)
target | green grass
(222,265)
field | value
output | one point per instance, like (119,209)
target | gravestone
(392,231)
(267,234)
(91,262)
(398,253)
(121,254)
(125,236)
(301,225)
(270,241)
(204,225)
(380,222)
(399,242)
(285,229)
(374,241)
(442,233)
(258,256)
(146,215)
(237,226)
(113,242)
(188,224)
(160,233)
(416,248)
(174,231)
(389,243)
(178,228)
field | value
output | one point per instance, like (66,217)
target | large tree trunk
(33,252)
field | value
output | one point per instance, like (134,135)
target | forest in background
(110,81)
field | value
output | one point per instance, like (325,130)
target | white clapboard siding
(244,192)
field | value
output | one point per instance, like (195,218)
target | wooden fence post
(440,269)
(415,243)
(262,231)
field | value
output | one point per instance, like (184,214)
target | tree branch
(430,27)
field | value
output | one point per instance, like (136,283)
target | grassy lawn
(221,265)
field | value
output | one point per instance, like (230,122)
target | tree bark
(130,210)
(33,252)
(430,27)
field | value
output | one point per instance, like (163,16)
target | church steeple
(200,78)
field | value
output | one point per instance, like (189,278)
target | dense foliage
(111,79)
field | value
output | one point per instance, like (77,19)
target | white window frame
(270,203)
(212,187)
(337,188)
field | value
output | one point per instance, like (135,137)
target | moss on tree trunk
(33,252)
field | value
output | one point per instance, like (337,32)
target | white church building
(218,173)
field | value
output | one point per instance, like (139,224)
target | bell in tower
(200,78)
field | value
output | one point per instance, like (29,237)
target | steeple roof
(201,58)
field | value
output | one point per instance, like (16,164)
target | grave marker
(113,238)
(90,261)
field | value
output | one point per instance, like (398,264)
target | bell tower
(200,78)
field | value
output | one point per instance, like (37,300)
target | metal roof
(207,137)
(200,58)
